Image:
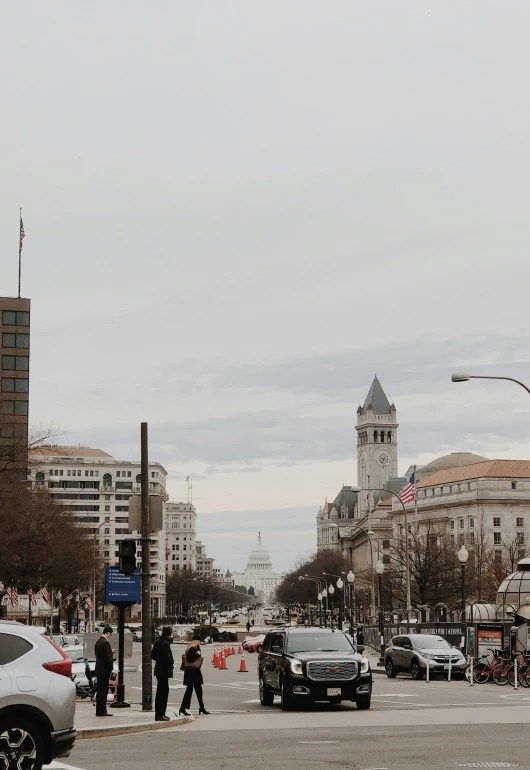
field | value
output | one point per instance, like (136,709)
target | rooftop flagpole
(416,497)
(22,235)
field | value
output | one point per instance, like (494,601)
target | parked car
(37,723)
(253,643)
(137,636)
(412,652)
(312,664)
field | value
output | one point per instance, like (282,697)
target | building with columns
(259,574)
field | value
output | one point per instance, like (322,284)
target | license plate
(333,692)
(446,667)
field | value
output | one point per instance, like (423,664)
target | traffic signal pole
(147,673)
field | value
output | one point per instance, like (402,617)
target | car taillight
(64,666)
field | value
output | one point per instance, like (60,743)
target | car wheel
(266,696)
(390,670)
(415,670)
(21,743)
(287,698)
(363,701)
(259,648)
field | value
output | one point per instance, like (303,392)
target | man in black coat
(104,667)
(163,657)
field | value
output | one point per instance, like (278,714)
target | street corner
(127,722)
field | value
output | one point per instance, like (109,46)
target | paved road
(229,691)
(325,748)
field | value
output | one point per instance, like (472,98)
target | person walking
(248,626)
(104,667)
(163,657)
(191,665)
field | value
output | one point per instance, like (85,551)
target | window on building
(471,538)
(106,554)
(521,553)
(520,538)
(15,363)
(520,522)
(452,540)
(498,556)
(121,508)
(118,474)
(15,318)
(106,542)
(514,485)
(107,531)
(452,524)
(107,508)
(19,408)
(461,523)
(107,497)
(12,340)
(497,538)
(15,385)
(471,523)
(496,521)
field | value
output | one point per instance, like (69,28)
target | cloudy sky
(238,212)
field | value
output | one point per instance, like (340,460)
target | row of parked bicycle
(503,670)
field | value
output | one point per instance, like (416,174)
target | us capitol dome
(259,573)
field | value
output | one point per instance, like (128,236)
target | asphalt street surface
(411,725)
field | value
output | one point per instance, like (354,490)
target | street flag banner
(45,595)
(408,494)
(89,603)
(69,599)
(12,595)
(22,233)
(33,596)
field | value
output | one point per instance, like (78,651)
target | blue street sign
(120,587)
(74,622)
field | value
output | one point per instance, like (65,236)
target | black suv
(312,664)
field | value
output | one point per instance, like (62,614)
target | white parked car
(37,699)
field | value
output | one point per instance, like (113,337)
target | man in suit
(163,657)
(104,666)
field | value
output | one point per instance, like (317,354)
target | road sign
(120,587)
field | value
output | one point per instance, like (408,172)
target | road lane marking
(313,743)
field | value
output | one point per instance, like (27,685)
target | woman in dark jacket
(192,661)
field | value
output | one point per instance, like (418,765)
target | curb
(84,733)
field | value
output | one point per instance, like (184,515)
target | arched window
(107,479)
(139,478)
(389,437)
(39,476)
(375,436)
(382,436)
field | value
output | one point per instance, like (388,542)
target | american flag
(408,494)
(89,603)
(33,596)
(12,595)
(69,599)
(22,234)
(45,595)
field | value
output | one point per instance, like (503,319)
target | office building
(181,533)
(97,488)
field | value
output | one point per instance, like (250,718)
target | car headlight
(365,665)
(426,655)
(296,667)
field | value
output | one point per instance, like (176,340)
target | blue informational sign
(120,587)
(74,622)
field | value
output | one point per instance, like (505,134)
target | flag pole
(415,498)
(19,251)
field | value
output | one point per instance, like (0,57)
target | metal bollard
(428,672)
(471,678)
(449,672)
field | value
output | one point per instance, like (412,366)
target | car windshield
(431,643)
(319,643)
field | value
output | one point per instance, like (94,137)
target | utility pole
(147,674)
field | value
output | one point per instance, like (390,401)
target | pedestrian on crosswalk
(163,657)
(191,665)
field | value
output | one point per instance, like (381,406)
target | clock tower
(377,455)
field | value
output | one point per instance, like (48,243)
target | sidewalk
(124,721)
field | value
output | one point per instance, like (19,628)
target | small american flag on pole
(69,599)
(408,494)
(45,595)
(33,597)
(89,603)
(12,595)
(22,233)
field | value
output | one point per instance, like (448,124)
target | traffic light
(127,554)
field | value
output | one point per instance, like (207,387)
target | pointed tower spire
(376,399)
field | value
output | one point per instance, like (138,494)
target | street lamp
(58,596)
(331,593)
(325,596)
(463,556)
(350,577)
(319,597)
(94,608)
(464,377)
(380,568)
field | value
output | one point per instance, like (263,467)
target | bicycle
(483,669)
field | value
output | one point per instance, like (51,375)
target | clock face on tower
(383,459)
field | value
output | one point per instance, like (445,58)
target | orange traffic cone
(242,666)
(240,651)
(233,651)
(223,665)
(215,660)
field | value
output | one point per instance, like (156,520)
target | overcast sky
(238,212)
